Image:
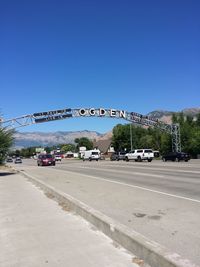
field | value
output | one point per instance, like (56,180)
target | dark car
(18,160)
(176,156)
(118,156)
(46,160)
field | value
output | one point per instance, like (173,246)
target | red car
(46,160)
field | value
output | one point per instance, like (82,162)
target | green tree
(84,141)
(190,133)
(141,138)
(6,141)
(26,152)
(121,137)
(68,147)
(146,141)
(166,143)
(198,120)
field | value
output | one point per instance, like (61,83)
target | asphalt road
(159,200)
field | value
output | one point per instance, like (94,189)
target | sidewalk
(36,231)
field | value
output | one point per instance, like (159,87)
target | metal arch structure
(133,117)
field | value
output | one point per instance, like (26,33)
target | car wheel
(149,160)
(126,159)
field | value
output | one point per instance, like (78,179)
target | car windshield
(95,153)
(148,151)
(47,156)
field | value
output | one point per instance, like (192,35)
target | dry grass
(138,261)
(49,195)
(5,168)
(64,206)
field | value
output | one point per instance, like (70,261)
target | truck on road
(140,155)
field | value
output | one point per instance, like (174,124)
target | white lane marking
(133,186)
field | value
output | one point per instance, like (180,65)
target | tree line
(140,137)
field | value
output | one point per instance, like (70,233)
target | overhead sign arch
(67,113)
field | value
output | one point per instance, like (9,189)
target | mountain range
(29,139)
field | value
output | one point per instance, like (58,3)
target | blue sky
(133,55)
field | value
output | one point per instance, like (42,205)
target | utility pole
(131,138)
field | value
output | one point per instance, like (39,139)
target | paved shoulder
(35,231)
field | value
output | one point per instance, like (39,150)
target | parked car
(9,159)
(46,160)
(118,156)
(18,160)
(176,156)
(140,155)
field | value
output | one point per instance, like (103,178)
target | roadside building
(105,147)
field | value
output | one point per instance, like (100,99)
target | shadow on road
(6,173)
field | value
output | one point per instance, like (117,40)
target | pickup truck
(140,155)
(58,157)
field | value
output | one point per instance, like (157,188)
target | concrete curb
(151,252)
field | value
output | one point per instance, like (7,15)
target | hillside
(28,139)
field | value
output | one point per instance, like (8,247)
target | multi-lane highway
(160,200)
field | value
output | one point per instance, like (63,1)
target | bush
(6,141)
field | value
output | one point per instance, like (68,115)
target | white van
(91,155)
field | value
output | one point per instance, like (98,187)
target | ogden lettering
(122,114)
(82,112)
(112,112)
(92,112)
(102,112)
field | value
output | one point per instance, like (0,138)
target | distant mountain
(166,116)
(191,111)
(158,114)
(28,139)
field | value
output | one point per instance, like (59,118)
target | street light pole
(131,139)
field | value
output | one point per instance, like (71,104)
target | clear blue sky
(133,55)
